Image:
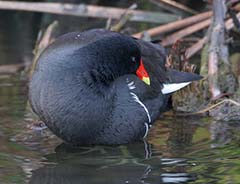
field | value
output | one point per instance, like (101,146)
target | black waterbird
(102,87)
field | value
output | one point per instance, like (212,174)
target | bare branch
(175,25)
(11,69)
(217,45)
(198,46)
(174,6)
(184,32)
(88,11)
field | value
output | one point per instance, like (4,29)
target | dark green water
(179,150)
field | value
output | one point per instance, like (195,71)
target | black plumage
(86,90)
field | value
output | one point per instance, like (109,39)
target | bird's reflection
(119,164)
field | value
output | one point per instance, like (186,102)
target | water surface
(179,150)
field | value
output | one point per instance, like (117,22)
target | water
(179,150)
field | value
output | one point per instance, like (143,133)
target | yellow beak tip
(146,80)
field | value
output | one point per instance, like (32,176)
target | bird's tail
(178,80)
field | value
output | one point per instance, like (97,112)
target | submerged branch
(208,108)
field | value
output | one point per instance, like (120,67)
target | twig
(123,20)
(108,24)
(175,25)
(11,69)
(229,23)
(195,47)
(41,44)
(209,108)
(45,39)
(88,11)
(184,32)
(169,8)
(198,46)
(236,22)
(179,6)
(231,2)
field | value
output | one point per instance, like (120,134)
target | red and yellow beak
(142,73)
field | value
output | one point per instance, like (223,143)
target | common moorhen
(102,87)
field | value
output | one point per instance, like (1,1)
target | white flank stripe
(145,135)
(170,88)
(131,85)
(145,108)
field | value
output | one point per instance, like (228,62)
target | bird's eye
(133,59)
